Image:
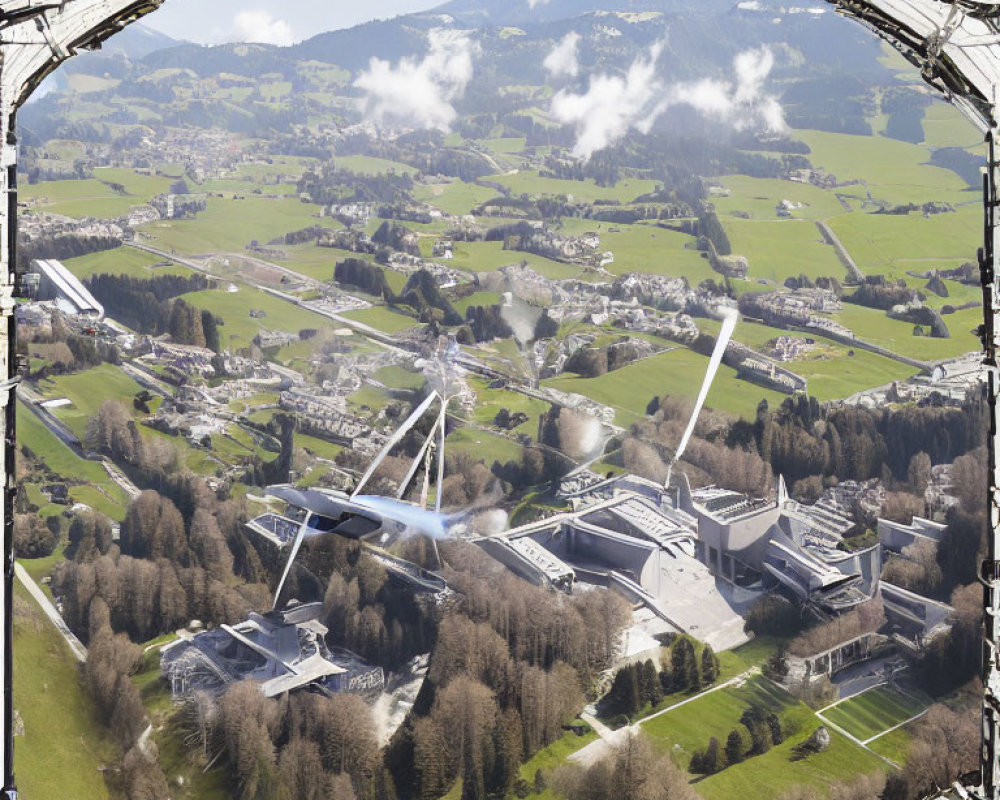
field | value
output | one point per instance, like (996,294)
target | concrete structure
(895,536)
(281,650)
(624,535)
(58,284)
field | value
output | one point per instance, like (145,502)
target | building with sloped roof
(58,284)
(283,651)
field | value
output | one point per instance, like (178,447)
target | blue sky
(272,21)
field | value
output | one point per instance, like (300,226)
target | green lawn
(230,225)
(889,243)
(688,728)
(778,249)
(456,197)
(382,318)
(760,196)
(88,390)
(872,325)
(64,744)
(677,372)
(123,261)
(483,446)
(234,308)
(529,182)
(875,711)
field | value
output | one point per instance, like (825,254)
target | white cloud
(533,3)
(260,26)
(612,105)
(564,58)
(420,93)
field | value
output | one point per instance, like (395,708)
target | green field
(645,248)
(88,390)
(490,256)
(367,165)
(677,372)
(240,328)
(529,182)
(382,318)
(97,489)
(875,711)
(123,261)
(688,728)
(889,243)
(455,197)
(230,225)
(893,171)
(63,745)
(872,325)
(760,196)
(778,249)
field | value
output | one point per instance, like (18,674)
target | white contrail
(728,326)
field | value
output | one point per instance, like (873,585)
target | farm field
(63,745)
(230,225)
(456,197)
(872,325)
(679,372)
(122,261)
(240,328)
(531,183)
(760,196)
(875,711)
(878,243)
(893,171)
(781,249)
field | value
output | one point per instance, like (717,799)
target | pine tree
(714,758)
(734,747)
(652,691)
(709,666)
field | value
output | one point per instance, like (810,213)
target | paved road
(79,651)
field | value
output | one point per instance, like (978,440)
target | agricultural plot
(230,225)
(889,244)
(760,197)
(872,325)
(871,713)
(676,372)
(656,251)
(239,327)
(123,261)
(531,183)
(891,170)
(781,249)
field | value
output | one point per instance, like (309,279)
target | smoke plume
(420,93)
(563,61)
(612,105)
